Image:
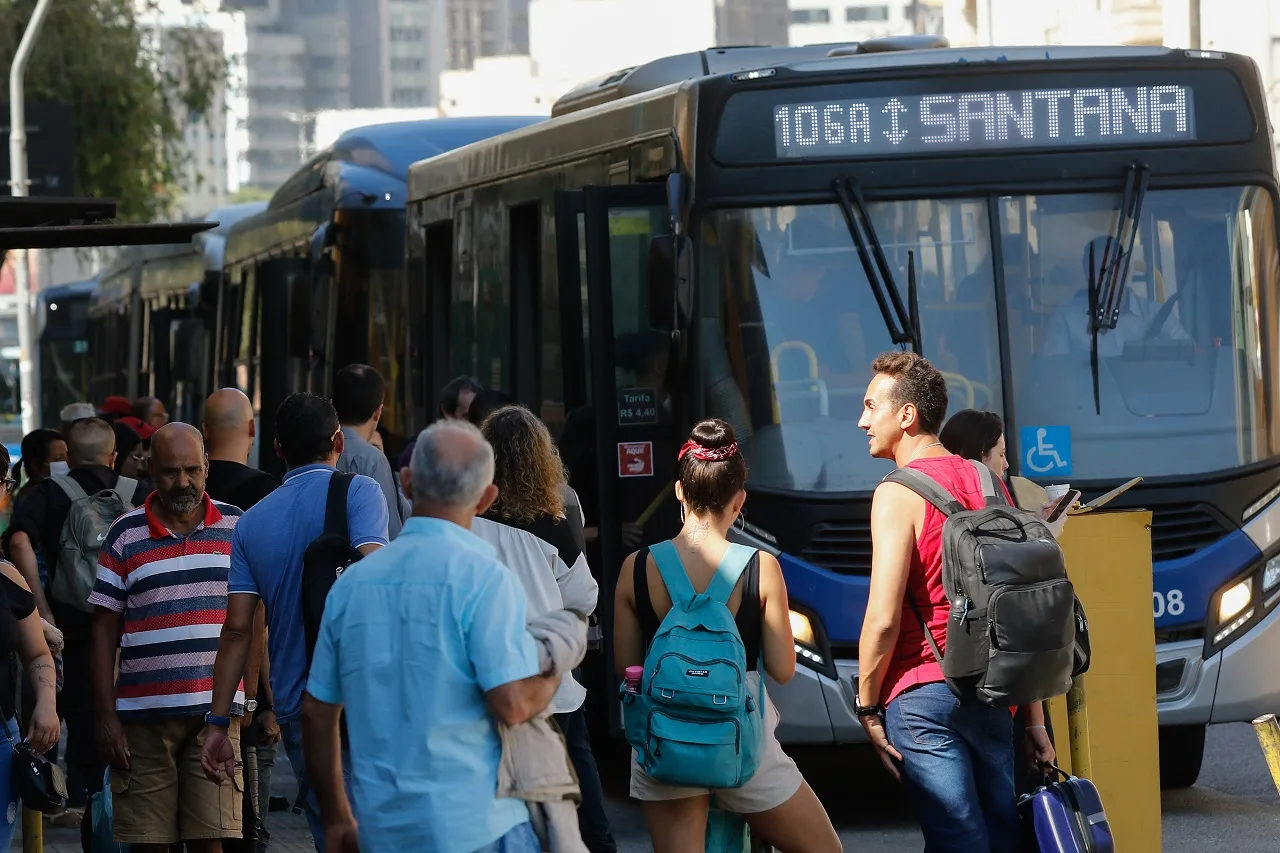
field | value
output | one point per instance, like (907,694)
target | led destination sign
(1033,118)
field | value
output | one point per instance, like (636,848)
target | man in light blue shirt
(423,649)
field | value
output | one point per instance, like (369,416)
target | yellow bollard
(32,831)
(1269,738)
(1078,727)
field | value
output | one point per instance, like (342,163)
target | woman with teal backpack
(706,619)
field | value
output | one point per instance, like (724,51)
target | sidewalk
(289,833)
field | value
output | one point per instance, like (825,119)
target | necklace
(920,450)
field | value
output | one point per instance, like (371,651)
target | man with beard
(161,599)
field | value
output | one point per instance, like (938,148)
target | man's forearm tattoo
(48,679)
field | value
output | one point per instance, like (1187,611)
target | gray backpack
(1011,634)
(84,533)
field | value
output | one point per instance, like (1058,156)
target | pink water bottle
(633,676)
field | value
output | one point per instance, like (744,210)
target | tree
(132,94)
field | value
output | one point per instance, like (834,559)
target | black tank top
(748,617)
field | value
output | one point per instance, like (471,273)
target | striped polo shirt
(172,592)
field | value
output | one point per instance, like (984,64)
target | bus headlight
(1271,574)
(801,627)
(1234,609)
(810,643)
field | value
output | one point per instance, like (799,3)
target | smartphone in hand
(1064,503)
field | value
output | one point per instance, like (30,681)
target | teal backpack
(694,722)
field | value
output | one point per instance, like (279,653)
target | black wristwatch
(860,710)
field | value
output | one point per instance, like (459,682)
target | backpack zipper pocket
(657,739)
(1040,600)
(683,688)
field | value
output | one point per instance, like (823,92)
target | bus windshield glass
(1183,387)
(789,325)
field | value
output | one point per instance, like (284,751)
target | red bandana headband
(708,454)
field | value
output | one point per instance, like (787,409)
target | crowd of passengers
(439,704)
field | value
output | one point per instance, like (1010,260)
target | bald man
(229,432)
(164,564)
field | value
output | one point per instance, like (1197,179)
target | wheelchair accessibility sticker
(1046,450)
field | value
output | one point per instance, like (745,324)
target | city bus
(63,332)
(151,319)
(317,280)
(1082,238)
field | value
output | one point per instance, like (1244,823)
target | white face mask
(59,469)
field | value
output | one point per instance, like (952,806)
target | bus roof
(69,290)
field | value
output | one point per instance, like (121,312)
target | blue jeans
(521,839)
(957,768)
(291,737)
(8,793)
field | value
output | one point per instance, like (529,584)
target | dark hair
(710,486)
(142,407)
(305,425)
(5,461)
(972,433)
(358,391)
(127,440)
(917,382)
(35,448)
(448,401)
(487,401)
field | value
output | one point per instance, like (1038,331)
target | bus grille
(843,547)
(1179,530)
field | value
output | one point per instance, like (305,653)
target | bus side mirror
(669,281)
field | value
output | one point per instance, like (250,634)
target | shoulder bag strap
(993,494)
(926,487)
(673,574)
(732,565)
(335,508)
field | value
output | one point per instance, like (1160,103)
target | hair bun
(713,434)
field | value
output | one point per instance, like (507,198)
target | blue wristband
(210,719)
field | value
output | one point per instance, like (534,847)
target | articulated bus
(317,280)
(737,233)
(150,317)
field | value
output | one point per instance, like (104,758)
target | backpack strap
(993,495)
(926,487)
(928,635)
(673,574)
(72,488)
(124,489)
(335,507)
(731,567)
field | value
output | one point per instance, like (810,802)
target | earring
(682,513)
(742,522)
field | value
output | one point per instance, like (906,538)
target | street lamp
(18,188)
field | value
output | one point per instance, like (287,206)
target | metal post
(1269,738)
(18,188)
(32,831)
(1078,728)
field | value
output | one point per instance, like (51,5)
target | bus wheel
(1181,754)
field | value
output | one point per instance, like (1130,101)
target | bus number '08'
(1170,602)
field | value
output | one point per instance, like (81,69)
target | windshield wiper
(1107,283)
(899,323)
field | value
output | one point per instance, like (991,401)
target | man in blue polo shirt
(266,564)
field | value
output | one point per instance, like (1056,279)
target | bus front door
(623,424)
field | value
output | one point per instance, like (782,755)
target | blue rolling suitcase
(1067,816)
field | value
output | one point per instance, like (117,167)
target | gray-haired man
(419,627)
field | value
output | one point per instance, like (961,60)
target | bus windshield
(789,325)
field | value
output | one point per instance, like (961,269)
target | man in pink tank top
(954,757)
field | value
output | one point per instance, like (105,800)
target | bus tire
(1181,754)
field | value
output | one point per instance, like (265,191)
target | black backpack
(326,558)
(1016,633)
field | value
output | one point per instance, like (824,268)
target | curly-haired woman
(539,542)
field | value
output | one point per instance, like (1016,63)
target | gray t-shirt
(361,457)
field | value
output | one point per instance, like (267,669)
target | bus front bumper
(1237,684)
